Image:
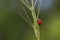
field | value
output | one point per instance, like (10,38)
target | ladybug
(39,21)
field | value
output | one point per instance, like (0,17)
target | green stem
(36,30)
(35,25)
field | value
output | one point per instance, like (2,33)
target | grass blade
(25,19)
(39,9)
(27,15)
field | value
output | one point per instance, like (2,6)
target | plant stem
(36,30)
(35,25)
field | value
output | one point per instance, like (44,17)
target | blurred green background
(14,27)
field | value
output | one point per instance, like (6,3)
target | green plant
(35,18)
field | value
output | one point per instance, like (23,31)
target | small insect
(39,21)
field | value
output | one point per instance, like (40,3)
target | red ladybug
(39,21)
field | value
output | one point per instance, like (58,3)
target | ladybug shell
(39,21)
